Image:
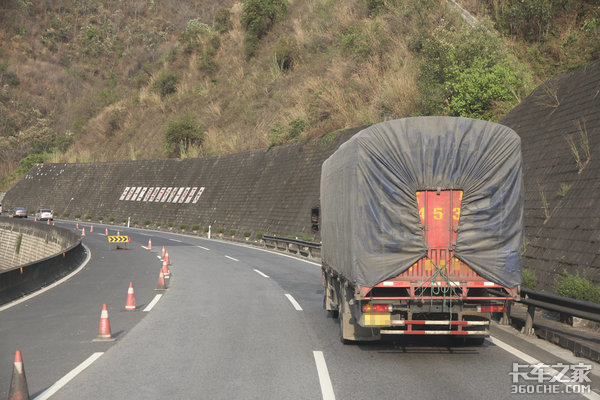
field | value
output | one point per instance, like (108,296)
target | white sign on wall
(124,193)
(198,195)
(162,194)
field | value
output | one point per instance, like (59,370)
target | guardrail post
(528,329)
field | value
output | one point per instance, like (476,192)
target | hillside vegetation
(90,80)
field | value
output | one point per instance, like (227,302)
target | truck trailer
(421,228)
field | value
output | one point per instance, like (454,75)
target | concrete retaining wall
(268,191)
(272,191)
(46,254)
(23,242)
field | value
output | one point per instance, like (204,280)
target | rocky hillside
(92,80)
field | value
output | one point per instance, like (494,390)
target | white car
(44,214)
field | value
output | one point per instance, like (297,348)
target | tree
(181,133)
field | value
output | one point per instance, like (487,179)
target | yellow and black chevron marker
(118,239)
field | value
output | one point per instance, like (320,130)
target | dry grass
(241,101)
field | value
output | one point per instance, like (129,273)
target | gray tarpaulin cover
(371,229)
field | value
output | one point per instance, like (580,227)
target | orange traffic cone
(77,225)
(162,254)
(104,326)
(92,228)
(18,384)
(150,244)
(48,222)
(82,231)
(161,282)
(130,304)
(118,233)
(165,269)
(167,260)
(35,219)
(106,231)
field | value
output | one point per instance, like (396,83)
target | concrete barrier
(45,254)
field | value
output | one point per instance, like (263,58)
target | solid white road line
(231,258)
(294,302)
(65,379)
(261,273)
(175,240)
(152,303)
(144,247)
(326,388)
(550,371)
(203,248)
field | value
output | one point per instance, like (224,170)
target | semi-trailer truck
(421,228)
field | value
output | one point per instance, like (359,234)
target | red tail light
(377,308)
(493,308)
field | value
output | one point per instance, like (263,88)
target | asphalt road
(236,322)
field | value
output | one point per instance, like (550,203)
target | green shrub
(170,224)
(181,133)
(192,35)
(222,22)
(307,238)
(157,224)
(286,53)
(354,42)
(258,16)
(195,227)
(135,222)
(232,232)
(473,90)
(206,228)
(220,229)
(529,279)
(111,219)
(166,83)
(297,126)
(183,227)
(123,220)
(259,235)
(26,163)
(77,215)
(66,214)
(466,72)
(88,217)
(577,287)
(147,222)
(247,234)
(375,6)
(529,20)
(100,218)
(206,60)
(18,244)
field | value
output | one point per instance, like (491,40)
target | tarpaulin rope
(448,292)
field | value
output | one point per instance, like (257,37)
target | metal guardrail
(294,246)
(564,305)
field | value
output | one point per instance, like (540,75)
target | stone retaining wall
(23,242)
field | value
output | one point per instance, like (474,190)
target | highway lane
(226,329)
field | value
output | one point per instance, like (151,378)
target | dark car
(18,212)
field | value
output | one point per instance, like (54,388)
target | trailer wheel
(343,309)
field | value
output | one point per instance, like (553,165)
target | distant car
(44,214)
(18,212)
